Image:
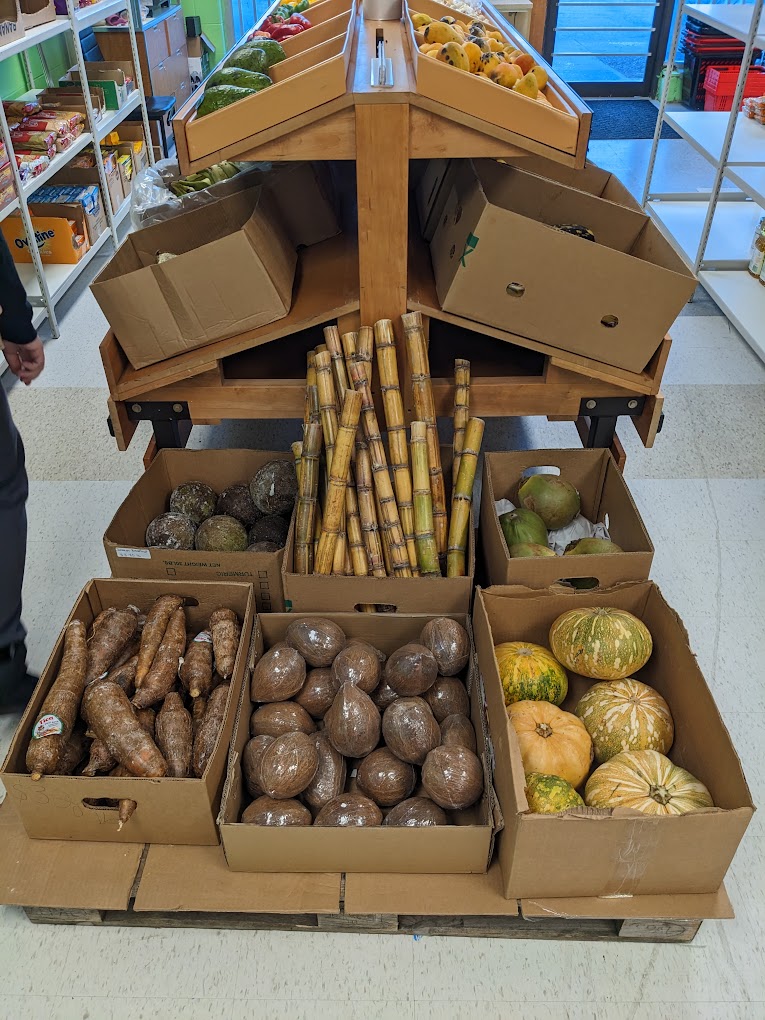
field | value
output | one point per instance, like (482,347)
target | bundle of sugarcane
(368,510)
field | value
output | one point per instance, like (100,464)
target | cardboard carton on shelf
(11,23)
(36,12)
(169,810)
(465,846)
(61,233)
(591,179)
(125,537)
(115,77)
(85,176)
(88,196)
(605,499)
(234,270)
(622,853)
(499,259)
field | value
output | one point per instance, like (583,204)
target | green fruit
(195,499)
(273,50)
(592,547)
(221,95)
(527,549)
(250,58)
(548,795)
(530,673)
(521,525)
(221,534)
(240,77)
(552,497)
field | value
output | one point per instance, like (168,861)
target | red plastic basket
(720,85)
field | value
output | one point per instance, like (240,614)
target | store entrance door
(608,47)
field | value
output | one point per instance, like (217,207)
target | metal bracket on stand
(171,421)
(382,66)
(603,414)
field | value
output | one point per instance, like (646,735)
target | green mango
(218,96)
(249,57)
(273,50)
(240,77)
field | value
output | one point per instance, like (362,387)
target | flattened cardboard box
(605,499)
(169,810)
(466,846)
(624,853)
(498,259)
(125,538)
(591,179)
(233,272)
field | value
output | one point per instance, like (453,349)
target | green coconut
(195,499)
(221,534)
(592,547)
(522,526)
(552,497)
(526,549)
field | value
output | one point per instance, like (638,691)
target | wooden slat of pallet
(327,286)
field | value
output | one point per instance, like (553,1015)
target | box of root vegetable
(387,527)
(126,736)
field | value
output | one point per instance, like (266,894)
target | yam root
(99,759)
(154,629)
(126,807)
(164,669)
(73,752)
(174,736)
(109,640)
(198,709)
(58,715)
(196,673)
(113,720)
(124,675)
(209,730)
(225,630)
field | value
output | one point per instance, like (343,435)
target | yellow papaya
(449,20)
(439,32)
(495,45)
(474,56)
(454,54)
(476,28)
(489,62)
(506,75)
(540,74)
(481,43)
(527,86)
(420,20)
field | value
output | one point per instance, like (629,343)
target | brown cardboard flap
(183,878)
(429,895)
(702,905)
(59,873)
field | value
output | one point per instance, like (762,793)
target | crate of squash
(127,733)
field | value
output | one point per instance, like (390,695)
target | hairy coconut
(449,643)
(552,497)
(195,499)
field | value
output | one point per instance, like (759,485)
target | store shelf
(88,16)
(750,179)
(705,131)
(59,160)
(58,277)
(8,209)
(742,299)
(122,212)
(732,19)
(681,222)
(35,36)
(115,117)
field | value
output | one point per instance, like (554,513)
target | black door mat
(625,118)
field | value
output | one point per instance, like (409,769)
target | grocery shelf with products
(715,233)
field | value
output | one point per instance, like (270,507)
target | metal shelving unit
(46,284)
(713,232)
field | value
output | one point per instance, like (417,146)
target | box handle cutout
(581,583)
(458,215)
(100,804)
(379,607)
(610,321)
(541,470)
(515,289)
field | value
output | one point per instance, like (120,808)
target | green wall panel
(12,82)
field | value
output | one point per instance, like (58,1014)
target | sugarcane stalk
(341,553)
(425,410)
(384,537)
(388,509)
(297,453)
(328,407)
(461,412)
(348,341)
(310,380)
(427,553)
(338,479)
(308,489)
(387,367)
(462,499)
(312,394)
(364,350)
(335,348)
(368,510)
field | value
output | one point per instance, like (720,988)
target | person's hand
(25,360)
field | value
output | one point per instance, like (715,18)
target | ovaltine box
(617,852)
(464,845)
(125,538)
(605,500)
(500,258)
(167,810)
(333,593)
(233,271)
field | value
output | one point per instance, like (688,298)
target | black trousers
(13,527)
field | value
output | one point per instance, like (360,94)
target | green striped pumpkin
(646,781)
(625,715)
(530,673)
(549,795)
(601,643)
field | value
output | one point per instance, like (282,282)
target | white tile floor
(701,491)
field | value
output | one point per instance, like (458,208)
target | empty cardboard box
(500,258)
(234,270)
(606,499)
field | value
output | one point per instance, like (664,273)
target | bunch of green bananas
(204,178)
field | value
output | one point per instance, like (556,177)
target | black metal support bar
(171,421)
(171,435)
(602,431)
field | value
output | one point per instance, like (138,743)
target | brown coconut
(449,642)
(317,640)
(350,809)
(288,765)
(353,722)
(267,811)
(330,777)
(447,696)
(411,670)
(457,730)
(318,692)
(385,778)
(280,717)
(453,777)
(359,664)
(410,729)
(415,813)
(251,755)
(278,675)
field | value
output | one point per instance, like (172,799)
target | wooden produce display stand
(323,106)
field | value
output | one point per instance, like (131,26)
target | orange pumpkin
(551,741)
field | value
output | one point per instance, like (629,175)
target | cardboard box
(61,233)
(234,272)
(465,846)
(605,499)
(169,810)
(11,25)
(431,197)
(591,179)
(115,77)
(125,541)
(89,196)
(498,260)
(70,97)
(36,12)
(89,175)
(335,594)
(133,135)
(621,853)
